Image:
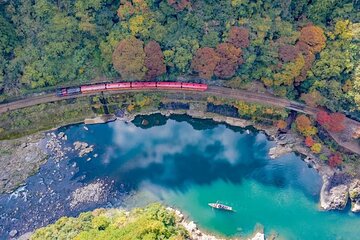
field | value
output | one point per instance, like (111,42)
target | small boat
(221,207)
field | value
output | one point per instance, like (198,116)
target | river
(187,163)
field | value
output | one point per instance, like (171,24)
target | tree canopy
(302,50)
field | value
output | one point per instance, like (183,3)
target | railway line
(212,90)
(222,92)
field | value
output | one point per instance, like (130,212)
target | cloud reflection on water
(175,155)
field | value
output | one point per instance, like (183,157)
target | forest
(151,222)
(306,50)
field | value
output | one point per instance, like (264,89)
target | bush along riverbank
(152,222)
(338,168)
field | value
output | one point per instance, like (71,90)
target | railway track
(216,91)
(222,92)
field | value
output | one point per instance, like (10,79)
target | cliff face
(354,193)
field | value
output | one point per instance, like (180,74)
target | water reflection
(171,154)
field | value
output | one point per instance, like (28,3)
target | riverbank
(73,143)
(20,158)
(335,192)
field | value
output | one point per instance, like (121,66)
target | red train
(100,87)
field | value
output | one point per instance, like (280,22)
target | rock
(25,236)
(93,192)
(258,236)
(279,150)
(61,135)
(333,197)
(77,145)
(85,151)
(144,122)
(354,193)
(13,233)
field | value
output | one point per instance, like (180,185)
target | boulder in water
(334,193)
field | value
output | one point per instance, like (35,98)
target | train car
(61,92)
(118,86)
(143,85)
(73,90)
(168,85)
(93,88)
(194,86)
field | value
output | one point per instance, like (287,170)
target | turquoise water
(187,163)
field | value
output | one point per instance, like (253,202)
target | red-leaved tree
(309,141)
(154,60)
(239,37)
(288,53)
(179,5)
(336,123)
(335,160)
(323,118)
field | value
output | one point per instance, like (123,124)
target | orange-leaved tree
(281,124)
(230,58)
(309,141)
(314,37)
(129,59)
(304,125)
(205,61)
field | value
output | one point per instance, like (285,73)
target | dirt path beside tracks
(344,140)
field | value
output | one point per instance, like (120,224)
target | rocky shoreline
(198,234)
(20,158)
(337,189)
(334,194)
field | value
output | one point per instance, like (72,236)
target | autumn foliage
(179,5)
(205,61)
(336,123)
(303,125)
(281,124)
(333,122)
(316,148)
(239,37)
(129,59)
(154,60)
(230,58)
(309,141)
(288,53)
(312,98)
(128,8)
(314,37)
(335,160)
(323,118)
